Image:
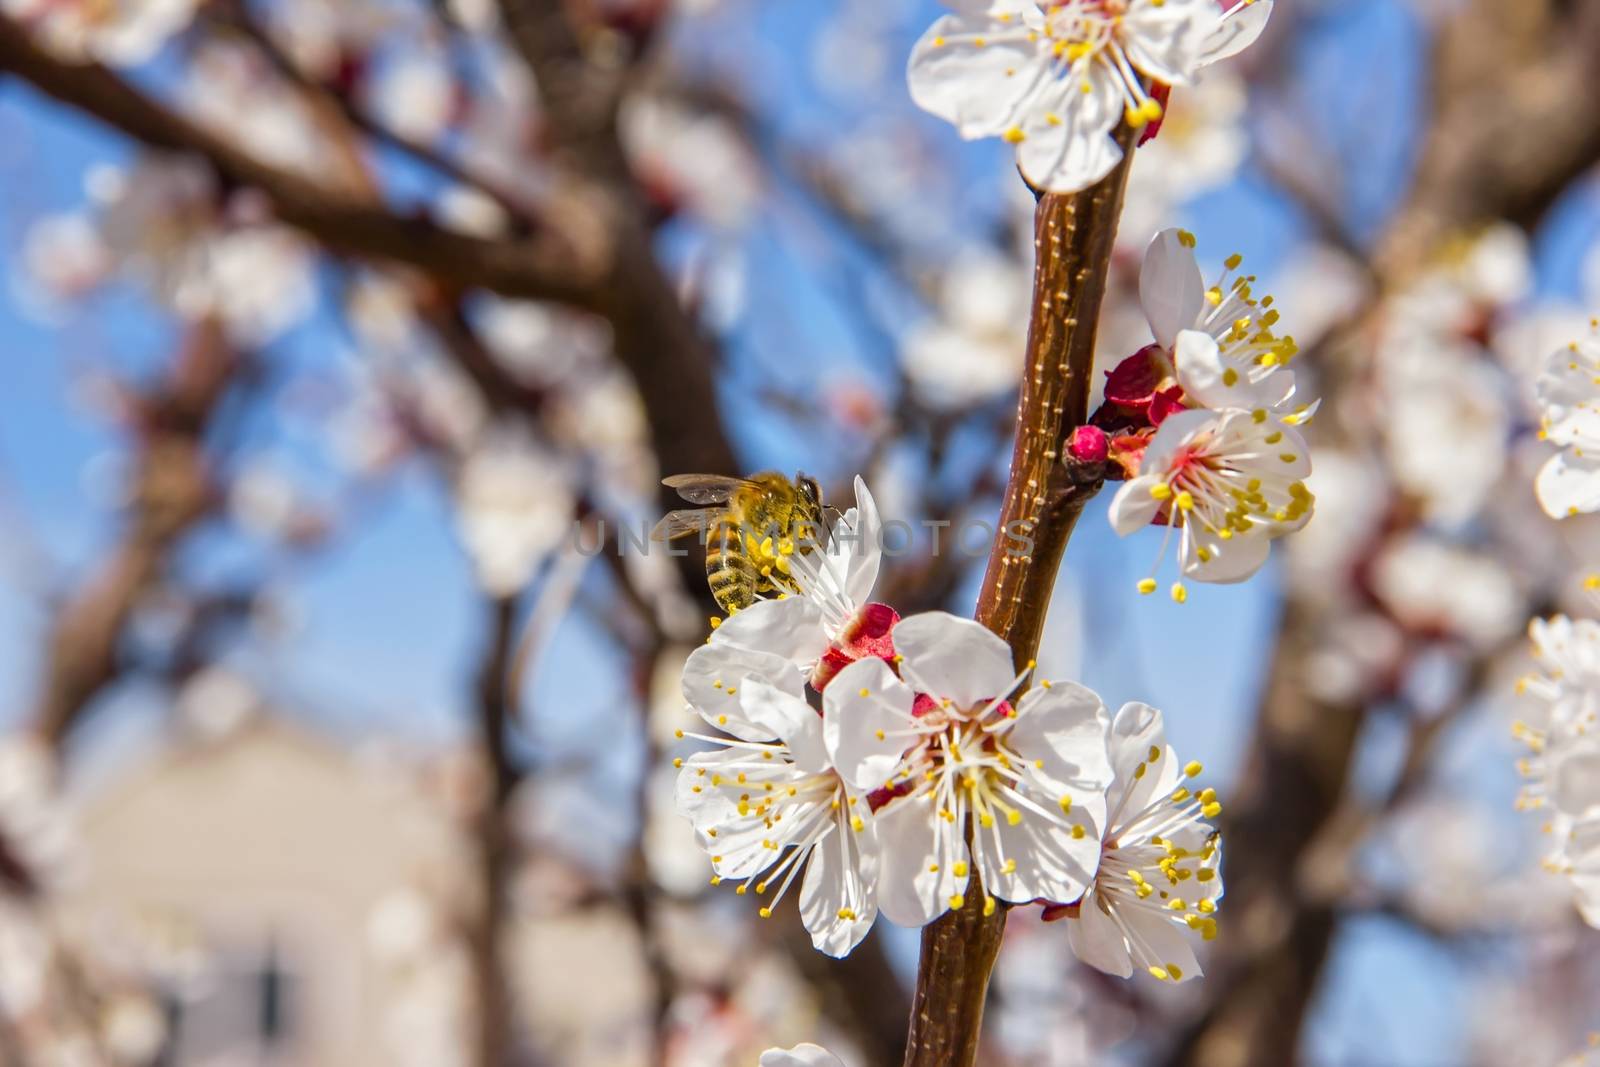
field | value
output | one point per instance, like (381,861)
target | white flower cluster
(1562,768)
(891,765)
(1225,465)
(1056,77)
(1568,393)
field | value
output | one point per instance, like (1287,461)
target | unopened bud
(1089,445)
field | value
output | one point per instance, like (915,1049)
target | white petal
(1569,485)
(1236,31)
(799,1056)
(1136,731)
(1161,942)
(1166,40)
(1095,940)
(910,891)
(1071,148)
(841,877)
(790,718)
(1171,291)
(1049,863)
(852,723)
(980,89)
(1575,780)
(791,628)
(1230,561)
(1176,431)
(861,573)
(1065,727)
(952,658)
(714,674)
(1203,372)
(1133,508)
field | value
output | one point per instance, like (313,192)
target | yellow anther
(957,902)
(1179,593)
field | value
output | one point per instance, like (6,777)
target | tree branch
(1044,497)
(547,266)
(172,492)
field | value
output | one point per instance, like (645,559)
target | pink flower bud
(1089,445)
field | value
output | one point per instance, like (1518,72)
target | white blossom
(767,805)
(945,743)
(1055,77)
(1228,482)
(1568,390)
(1220,339)
(1158,881)
(514,508)
(969,354)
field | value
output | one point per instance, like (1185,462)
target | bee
(750,528)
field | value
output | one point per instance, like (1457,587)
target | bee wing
(675,524)
(705,488)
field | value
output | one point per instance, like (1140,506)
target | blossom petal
(865,719)
(1568,485)
(1176,431)
(861,573)
(1133,508)
(976,73)
(1136,732)
(1096,940)
(1162,943)
(953,659)
(917,882)
(838,899)
(1210,381)
(1236,31)
(714,674)
(791,720)
(1226,562)
(1171,290)
(791,628)
(1575,780)
(1166,40)
(1065,728)
(1046,861)
(1071,148)
(799,1056)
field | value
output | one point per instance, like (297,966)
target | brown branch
(235,16)
(1044,497)
(497,855)
(172,492)
(546,265)
(656,338)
